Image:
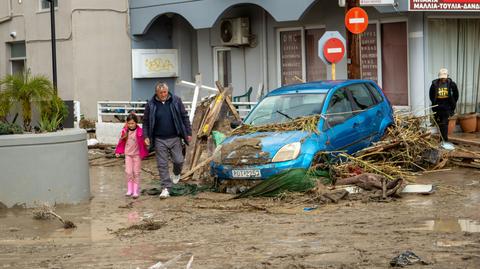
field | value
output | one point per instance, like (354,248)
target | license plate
(246,173)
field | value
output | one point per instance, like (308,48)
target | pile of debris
(308,123)
(212,114)
(408,147)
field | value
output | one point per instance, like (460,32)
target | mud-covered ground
(442,228)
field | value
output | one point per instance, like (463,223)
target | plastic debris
(407,258)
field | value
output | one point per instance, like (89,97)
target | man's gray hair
(160,85)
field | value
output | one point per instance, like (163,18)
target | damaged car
(352,114)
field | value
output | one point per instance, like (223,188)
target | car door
(367,113)
(339,124)
(383,111)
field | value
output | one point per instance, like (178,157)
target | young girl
(132,144)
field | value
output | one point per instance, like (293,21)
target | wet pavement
(442,228)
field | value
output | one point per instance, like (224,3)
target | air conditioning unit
(235,32)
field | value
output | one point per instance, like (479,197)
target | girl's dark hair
(132,116)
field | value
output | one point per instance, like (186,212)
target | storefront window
(454,44)
(299,59)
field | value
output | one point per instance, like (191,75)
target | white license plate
(246,173)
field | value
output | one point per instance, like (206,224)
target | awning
(204,13)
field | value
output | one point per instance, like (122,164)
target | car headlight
(287,152)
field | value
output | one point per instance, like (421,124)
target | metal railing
(117,111)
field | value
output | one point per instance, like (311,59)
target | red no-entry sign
(334,50)
(356,20)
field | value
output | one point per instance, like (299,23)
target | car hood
(263,145)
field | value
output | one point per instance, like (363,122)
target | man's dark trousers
(164,148)
(441,117)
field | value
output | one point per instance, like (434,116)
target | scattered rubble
(146,225)
(407,258)
(46,212)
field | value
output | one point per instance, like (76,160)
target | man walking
(165,125)
(444,96)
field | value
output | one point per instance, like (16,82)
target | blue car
(354,113)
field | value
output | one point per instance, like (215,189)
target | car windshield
(283,108)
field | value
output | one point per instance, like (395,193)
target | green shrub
(53,112)
(27,90)
(10,128)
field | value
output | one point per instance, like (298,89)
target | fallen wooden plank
(463,154)
(212,116)
(228,100)
(200,165)
(463,141)
(470,165)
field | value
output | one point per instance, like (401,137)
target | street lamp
(54,53)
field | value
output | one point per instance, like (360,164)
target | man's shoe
(175,178)
(448,146)
(165,194)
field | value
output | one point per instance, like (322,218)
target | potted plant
(468,122)
(28,90)
(59,160)
(478,122)
(452,122)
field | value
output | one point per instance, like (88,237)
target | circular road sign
(356,20)
(334,50)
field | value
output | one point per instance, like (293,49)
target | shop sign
(444,5)
(154,63)
(369,53)
(376,2)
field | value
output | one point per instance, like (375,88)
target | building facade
(406,43)
(93,47)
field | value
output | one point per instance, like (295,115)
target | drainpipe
(10,11)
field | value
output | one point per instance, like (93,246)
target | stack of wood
(465,158)
(214,113)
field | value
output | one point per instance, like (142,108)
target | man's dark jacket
(179,114)
(452,94)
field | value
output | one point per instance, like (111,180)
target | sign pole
(353,47)
(333,71)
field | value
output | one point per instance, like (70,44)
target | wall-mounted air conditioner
(235,32)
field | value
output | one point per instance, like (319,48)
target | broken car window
(362,99)
(339,108)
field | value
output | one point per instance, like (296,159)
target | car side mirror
(234,124)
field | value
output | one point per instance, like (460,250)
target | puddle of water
(451,225)
(451,243)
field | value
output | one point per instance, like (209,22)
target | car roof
(315,87)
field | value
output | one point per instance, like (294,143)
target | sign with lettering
(154,63)
(291,56)
(376,2)
(444,5)
(368,53)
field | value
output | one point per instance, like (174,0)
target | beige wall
(102,59)
(93,47)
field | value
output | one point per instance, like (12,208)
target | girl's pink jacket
(140,140)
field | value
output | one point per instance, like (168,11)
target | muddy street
(442,228)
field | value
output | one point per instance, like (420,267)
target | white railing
(117,111)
